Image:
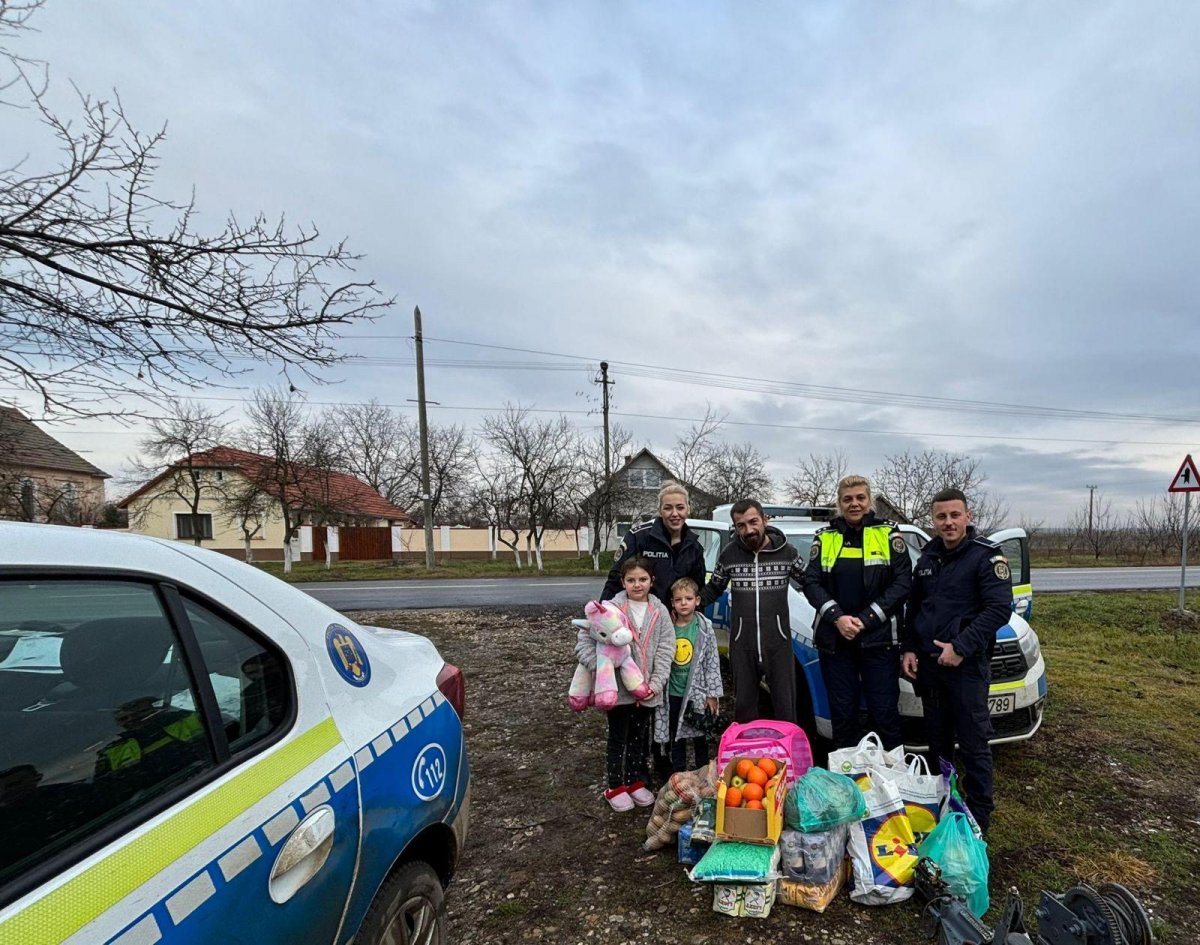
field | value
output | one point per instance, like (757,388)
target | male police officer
(857,580)
(760,564)
(961,595)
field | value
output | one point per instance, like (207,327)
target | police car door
(183,782)
(1014,545)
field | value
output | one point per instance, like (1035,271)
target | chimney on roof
(628,459)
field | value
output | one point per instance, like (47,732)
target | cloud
(987,201)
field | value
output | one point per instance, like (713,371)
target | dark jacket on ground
(671,562)
(962,596)
(874,594)
(758,597)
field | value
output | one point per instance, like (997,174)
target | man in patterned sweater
(759,564)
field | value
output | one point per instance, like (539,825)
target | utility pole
(605,383)
(1091,502)
(426,492)
(606,493)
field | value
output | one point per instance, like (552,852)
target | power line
(775,387)
(734,423)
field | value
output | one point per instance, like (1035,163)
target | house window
(643,478)
(193,526)
(68,504)
(220,474)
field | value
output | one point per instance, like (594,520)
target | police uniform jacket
(876,576)
(671,562)
(962,596)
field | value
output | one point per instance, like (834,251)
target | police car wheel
(409,909)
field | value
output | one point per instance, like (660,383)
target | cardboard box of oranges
(750,800)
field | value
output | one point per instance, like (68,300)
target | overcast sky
(991,202)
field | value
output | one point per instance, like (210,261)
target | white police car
(192,751)
(1018,689)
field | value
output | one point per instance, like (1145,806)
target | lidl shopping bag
(767,738)
(923,793)
(868,753)
(882,849)
(962,858)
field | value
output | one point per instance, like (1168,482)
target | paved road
(502,592)
(453,592)
(1110,579)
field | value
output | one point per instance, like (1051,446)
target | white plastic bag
(923,793)
(882,848)
(868,753)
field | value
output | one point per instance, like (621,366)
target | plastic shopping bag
(868,753)
(675,805)
(953,799)
(923,793)
(821,801)
(962,858)
(882,848)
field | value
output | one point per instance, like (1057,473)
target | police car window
(802,543)
(248,677)
(915,543)
(1011,549)
(710,540)
(91,726)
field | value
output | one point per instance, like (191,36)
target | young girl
(629,721)
(695,678)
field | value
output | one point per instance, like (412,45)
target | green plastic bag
(962,858)
(822,800)
(728,861)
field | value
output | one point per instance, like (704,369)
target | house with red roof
(232,500)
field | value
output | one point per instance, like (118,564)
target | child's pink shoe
(619,800)
(640,794)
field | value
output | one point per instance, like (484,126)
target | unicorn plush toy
(607,626)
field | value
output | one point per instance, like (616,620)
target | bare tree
(300,457)
(816,478)
(543,452)
(696,450)
(737,471)
(450,466)
(910,480)
(380,446)
(602,495)
(108,288)
(174,451)
(497,498)
(1094,527)
(246,507)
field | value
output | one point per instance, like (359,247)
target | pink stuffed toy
(607,625)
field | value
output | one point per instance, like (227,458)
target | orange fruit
(733,797)
(754,805)
(768,765)
(743,768)
(752,792)
(756,776)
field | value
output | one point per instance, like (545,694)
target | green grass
(404,570)
(1106,790)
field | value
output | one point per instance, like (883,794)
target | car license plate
(1002,705)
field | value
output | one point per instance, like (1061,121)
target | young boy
(695,678)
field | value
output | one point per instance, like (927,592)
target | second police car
(191,751)
(1018,689)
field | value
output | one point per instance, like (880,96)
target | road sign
(1187,479)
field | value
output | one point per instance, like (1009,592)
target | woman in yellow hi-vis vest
(858,577)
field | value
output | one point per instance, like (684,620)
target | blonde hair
(848,482)
(670,487)
(685,584)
